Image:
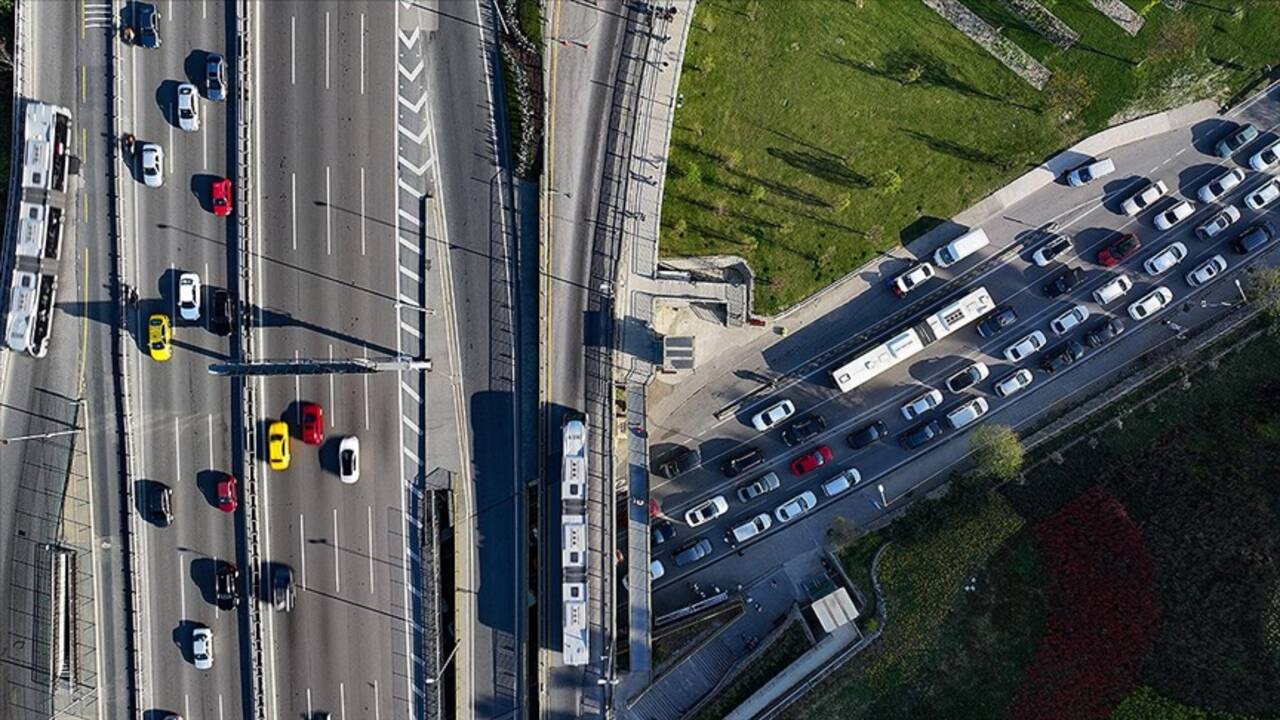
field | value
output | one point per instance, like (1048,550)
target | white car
(189,296)
(1165,259)
(1207,270)
(773,415)
(916,274)
(1026,347)
(1266,158)
(1113,290)
(1050,251)
(188,109)
(1174,215)
(202,648)
(1148,304)
(842,482)
(656,570)
(922,404)
(349,459)
(796,506)
(1215,225)
(1263,196)
(1221,185)
(706,511)
(1014,382)
(967,413)
(1144,197)
(1063,324)
(152,164)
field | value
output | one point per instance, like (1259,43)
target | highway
(1182,158)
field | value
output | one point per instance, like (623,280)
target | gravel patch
(1000,47)
(1045,22)
(1121,14)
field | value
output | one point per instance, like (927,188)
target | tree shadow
(901,64)
(823,166)
(953,148)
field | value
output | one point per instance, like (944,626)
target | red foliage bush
(1102,614)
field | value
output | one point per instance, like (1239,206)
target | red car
(222,197)
(312,424)
(1119,251)
(812,461)
(227,501)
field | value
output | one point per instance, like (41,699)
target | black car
(1063,356)
(220,312)
(921,435)
(682,461)
(225,584)
(161,502)
(997,320)
(215,72)
(742,462)
(148,25)
(282,587)
(968,377)
(1064,282)
(693,552)
(662,531)
(1104,333)
(803,430)
(859,439)
(1254,237)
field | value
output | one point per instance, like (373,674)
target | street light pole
(40,436)
(444,665)
(884,502)
(1243,298)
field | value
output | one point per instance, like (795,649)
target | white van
(1113,290)
(961,248)
(750,529)
(1090,171)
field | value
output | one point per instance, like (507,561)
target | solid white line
(370,522)
(204,15)
(293,49)
(220,715)
(377,710)
(328,214)
(302,552)
(342,701)
(326,50)
(310,713)
(362,248)
(293,201)
(337,577)
(361,53)
(186,704)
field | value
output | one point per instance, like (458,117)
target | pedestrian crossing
(97,15)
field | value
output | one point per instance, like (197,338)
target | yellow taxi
(278,445)
(160,337)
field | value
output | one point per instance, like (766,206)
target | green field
(816,134)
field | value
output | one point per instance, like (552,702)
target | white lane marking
(169,157)
(361,53)
(326,50)
(410,329)
(293,49)
(409,245)
(328,214)
(362,247)
(310,713)
(293,201)
(369,520)
(412,457)
(204,15)
(413,191)
(412,275)
(302,551)
(220,715)
(182,591)
(210,441)
(377,710)
(333,408)
(297,382)
(186,705)
(405,387)
(342,701)
(411,424)
(365,352)
(337,576)
(408,217)
(416,137)
(411,75)
(204,145)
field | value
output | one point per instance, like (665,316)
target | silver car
(1215,225)
(796,506)
(1015,381)
(1221,185)
(1063,324)
(1161,262)
(188,110)
(1174,215)
(152,164)
(1024,348)
(1207,270)
(922,404)
(1143,198)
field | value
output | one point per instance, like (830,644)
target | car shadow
(182,638)
(166,98)
(202,190)
(207,482)
(1206,134)
(1192,178)
(204,571)
(1115,192)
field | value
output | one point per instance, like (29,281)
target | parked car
(679,462)
(1237,138)
(189,296)
(1144,307)
(842,483)
(1266,158)
(811,461)
(1104,332)
(1064,282)
(1013,382)
(1062,356)
(227,490)
(913,276)
(922,404)
(796,506)
(187,110)
(661,531)
(868,434)
(1207,270)
(1142,199)
(803,430)
(1175,214)
(1068,320)
(656,570)
(215,73)
(921,435)
(773,415)
(693,552)
(1050,251)
(745,460)
(202,647)
(975,373)
(1221,185)
(1263,196)
(967,413)
(1254,237)
(766,483)
(706,511)
(1162,261)
(997,320)
(1029,345)
(1123,248)
(1214,226)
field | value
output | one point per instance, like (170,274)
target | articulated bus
(46,133)
(909,341)
(574,552)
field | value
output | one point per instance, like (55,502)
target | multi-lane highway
(1091,216)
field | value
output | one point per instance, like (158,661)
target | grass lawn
(789,646)
(815,135)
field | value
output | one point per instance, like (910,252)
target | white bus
(574,550)
(46,133)
(22,310)
(910,341)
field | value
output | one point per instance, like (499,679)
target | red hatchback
(812,461)
(312,424)
(222,197)
(227,501)
(1119,251)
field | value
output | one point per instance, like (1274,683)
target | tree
(888,182)
(842,532)
(1263,288)
(997,451)
(1067,94)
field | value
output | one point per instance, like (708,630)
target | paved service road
(1182,158)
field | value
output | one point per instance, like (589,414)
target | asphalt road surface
(1182,158)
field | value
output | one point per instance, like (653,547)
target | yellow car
(159,337)
(278,445)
